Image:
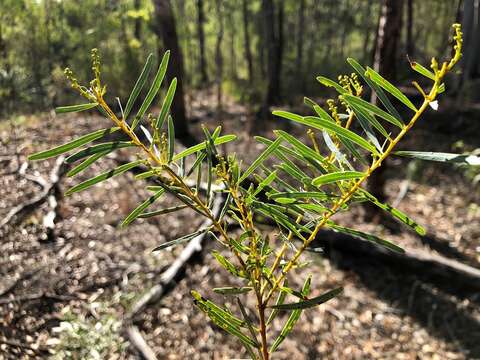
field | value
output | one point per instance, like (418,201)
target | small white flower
(434,105)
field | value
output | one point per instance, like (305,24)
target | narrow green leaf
(102,177)
(138,85)
(465,159)
(146,174)
(98,148)
(309,102)
(265,182)
(75,108)
(248,321)
(167,102)
(305,304)
(171,139)
(261,158)
(306,152)
(180,240)
(191,150)
(366,120)
(377,89)
(292,319)
(293,171)
(140,208)
(280,300)
(227,265)
(86,163)
(225,320)
(358,102)
(336,176)
(285,151)
(280,218)
(322,124)
(388,86)
(231,290)
(395,213)
(303,195)
(323,114)
(162,211)
(157,83)
(330,83)
(422,70)
(85,139)
(365,236)
(221,312)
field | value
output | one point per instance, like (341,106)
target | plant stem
(346,197)
(263,327)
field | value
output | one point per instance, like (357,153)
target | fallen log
(22,209)
(137,340)
(158,290)
(434,266)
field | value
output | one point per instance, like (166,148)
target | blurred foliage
(38,38)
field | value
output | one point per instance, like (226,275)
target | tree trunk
(137,31)
(410,43)
(165,28)
(389,30)
(246,35)
(201,43)
(218,55)
(233,48)
(471,29)
(274,40)
(368,30)
(300,31)
(388,38)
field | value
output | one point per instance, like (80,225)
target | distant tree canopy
(298,40)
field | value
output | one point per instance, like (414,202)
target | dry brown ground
(94,269)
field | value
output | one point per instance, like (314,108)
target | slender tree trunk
(275,50)
(274,39)
(233,49)
(218,55)
(246,36)
(263,43)
(471,29)
(300,31)
(385,59)
(185,35)
(367,31)
(137,31)
(201,42)
(410,42)
(388,39)
(165,28)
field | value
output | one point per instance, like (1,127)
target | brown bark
(274,40)
(165,28)
(410,43)
(246,36)
(201,42)
(389,29)
(300,41)
(218,54)
(137,31)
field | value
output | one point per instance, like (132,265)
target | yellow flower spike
(458,37)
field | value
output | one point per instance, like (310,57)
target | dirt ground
(83,280)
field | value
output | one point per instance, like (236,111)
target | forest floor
(69,291)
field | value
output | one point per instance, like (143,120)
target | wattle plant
(310,183)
